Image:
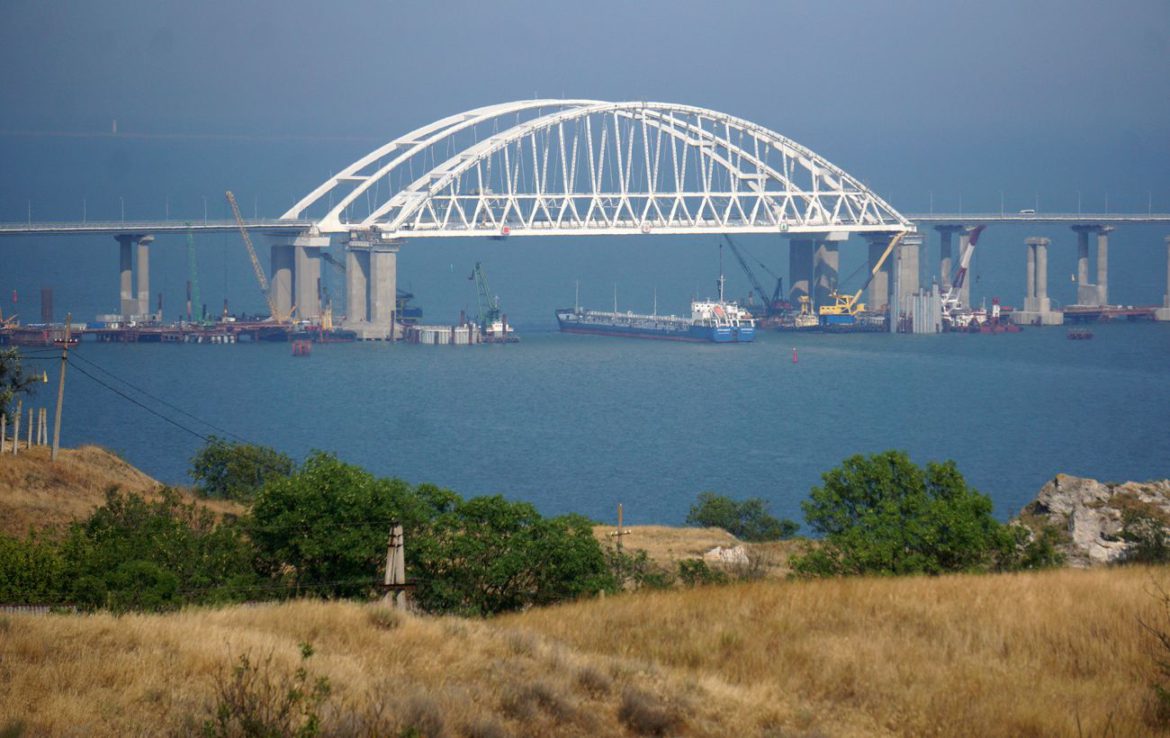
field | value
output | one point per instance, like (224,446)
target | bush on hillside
(748,520)
(135,554)
(487,555)
(236,471)
(30,571)
(883,514)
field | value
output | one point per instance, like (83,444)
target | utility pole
(395,569)
(620,532)
(61,388)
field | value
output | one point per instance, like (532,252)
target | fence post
(16,427)
(3,432)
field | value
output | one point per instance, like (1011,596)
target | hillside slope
(1058,653)
(37,493)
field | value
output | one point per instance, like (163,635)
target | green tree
(30,571)
(138,554)
(13,381)
(236,471)
(323,530)
(884,514)
(488,555)
(748,520)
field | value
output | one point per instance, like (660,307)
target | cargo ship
(714,321)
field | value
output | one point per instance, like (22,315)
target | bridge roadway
(293,227)
(151,227)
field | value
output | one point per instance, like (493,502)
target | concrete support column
(1030,278)
(280,287)
(879,287)
(910,255)
(945,232)
(800,270)
(1042,302)
(1166,297)
(357,284)
(144,275)
(965,290)
(1087,293)
(128,304)
(826,263)
(383,285)
(307,273)
(1103,265)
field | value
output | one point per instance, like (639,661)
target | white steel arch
(562,167)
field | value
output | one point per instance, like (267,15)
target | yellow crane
(260,276)
(848,304)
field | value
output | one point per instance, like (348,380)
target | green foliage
(134,554)
(324,529)
(748,520)
(884,514)
(30,571)
(254,701)
(236,471)
(487,555)
(634,570)
(1144,529)
(13,381)
(696,572)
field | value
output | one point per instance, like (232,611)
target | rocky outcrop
(1092,513)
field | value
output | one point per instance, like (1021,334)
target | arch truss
(560,167)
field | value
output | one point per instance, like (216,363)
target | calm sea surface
(581,423)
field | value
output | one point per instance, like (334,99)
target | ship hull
(653,328)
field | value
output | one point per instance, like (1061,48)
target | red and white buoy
(793,354)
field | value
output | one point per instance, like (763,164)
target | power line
(161,400)
(127,397)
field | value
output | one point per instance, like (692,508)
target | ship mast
(720,283)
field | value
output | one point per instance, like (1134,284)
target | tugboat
(1079,334)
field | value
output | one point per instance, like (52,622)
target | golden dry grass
(666,545)
(1013,655)
(37,493)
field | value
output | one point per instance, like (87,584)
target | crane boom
(260,276)
(848,304)
(770,305)
(965,260)
(489,309)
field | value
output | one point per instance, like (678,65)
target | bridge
(569,167)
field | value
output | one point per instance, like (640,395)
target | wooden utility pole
(396,569)
(620,532)
(61,387)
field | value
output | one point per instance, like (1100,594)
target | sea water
(582,423)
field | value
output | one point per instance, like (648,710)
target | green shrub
(237,471)
(884,514)
(748,520)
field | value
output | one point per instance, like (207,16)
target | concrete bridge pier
(800,269)
(134,303)
(1163,313)
(879,288)
(826,267)
(965,290)
(1103,264)
(909,253)
(1037,305)
(946,234)
(295,277)
(371,287)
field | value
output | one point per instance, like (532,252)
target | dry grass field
(1058,653)
(36,493)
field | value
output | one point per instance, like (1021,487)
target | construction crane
(771,306)
(194,303)
(260,277)
(954,313)
(489,307)
(848,305)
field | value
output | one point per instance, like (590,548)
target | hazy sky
(913,95)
